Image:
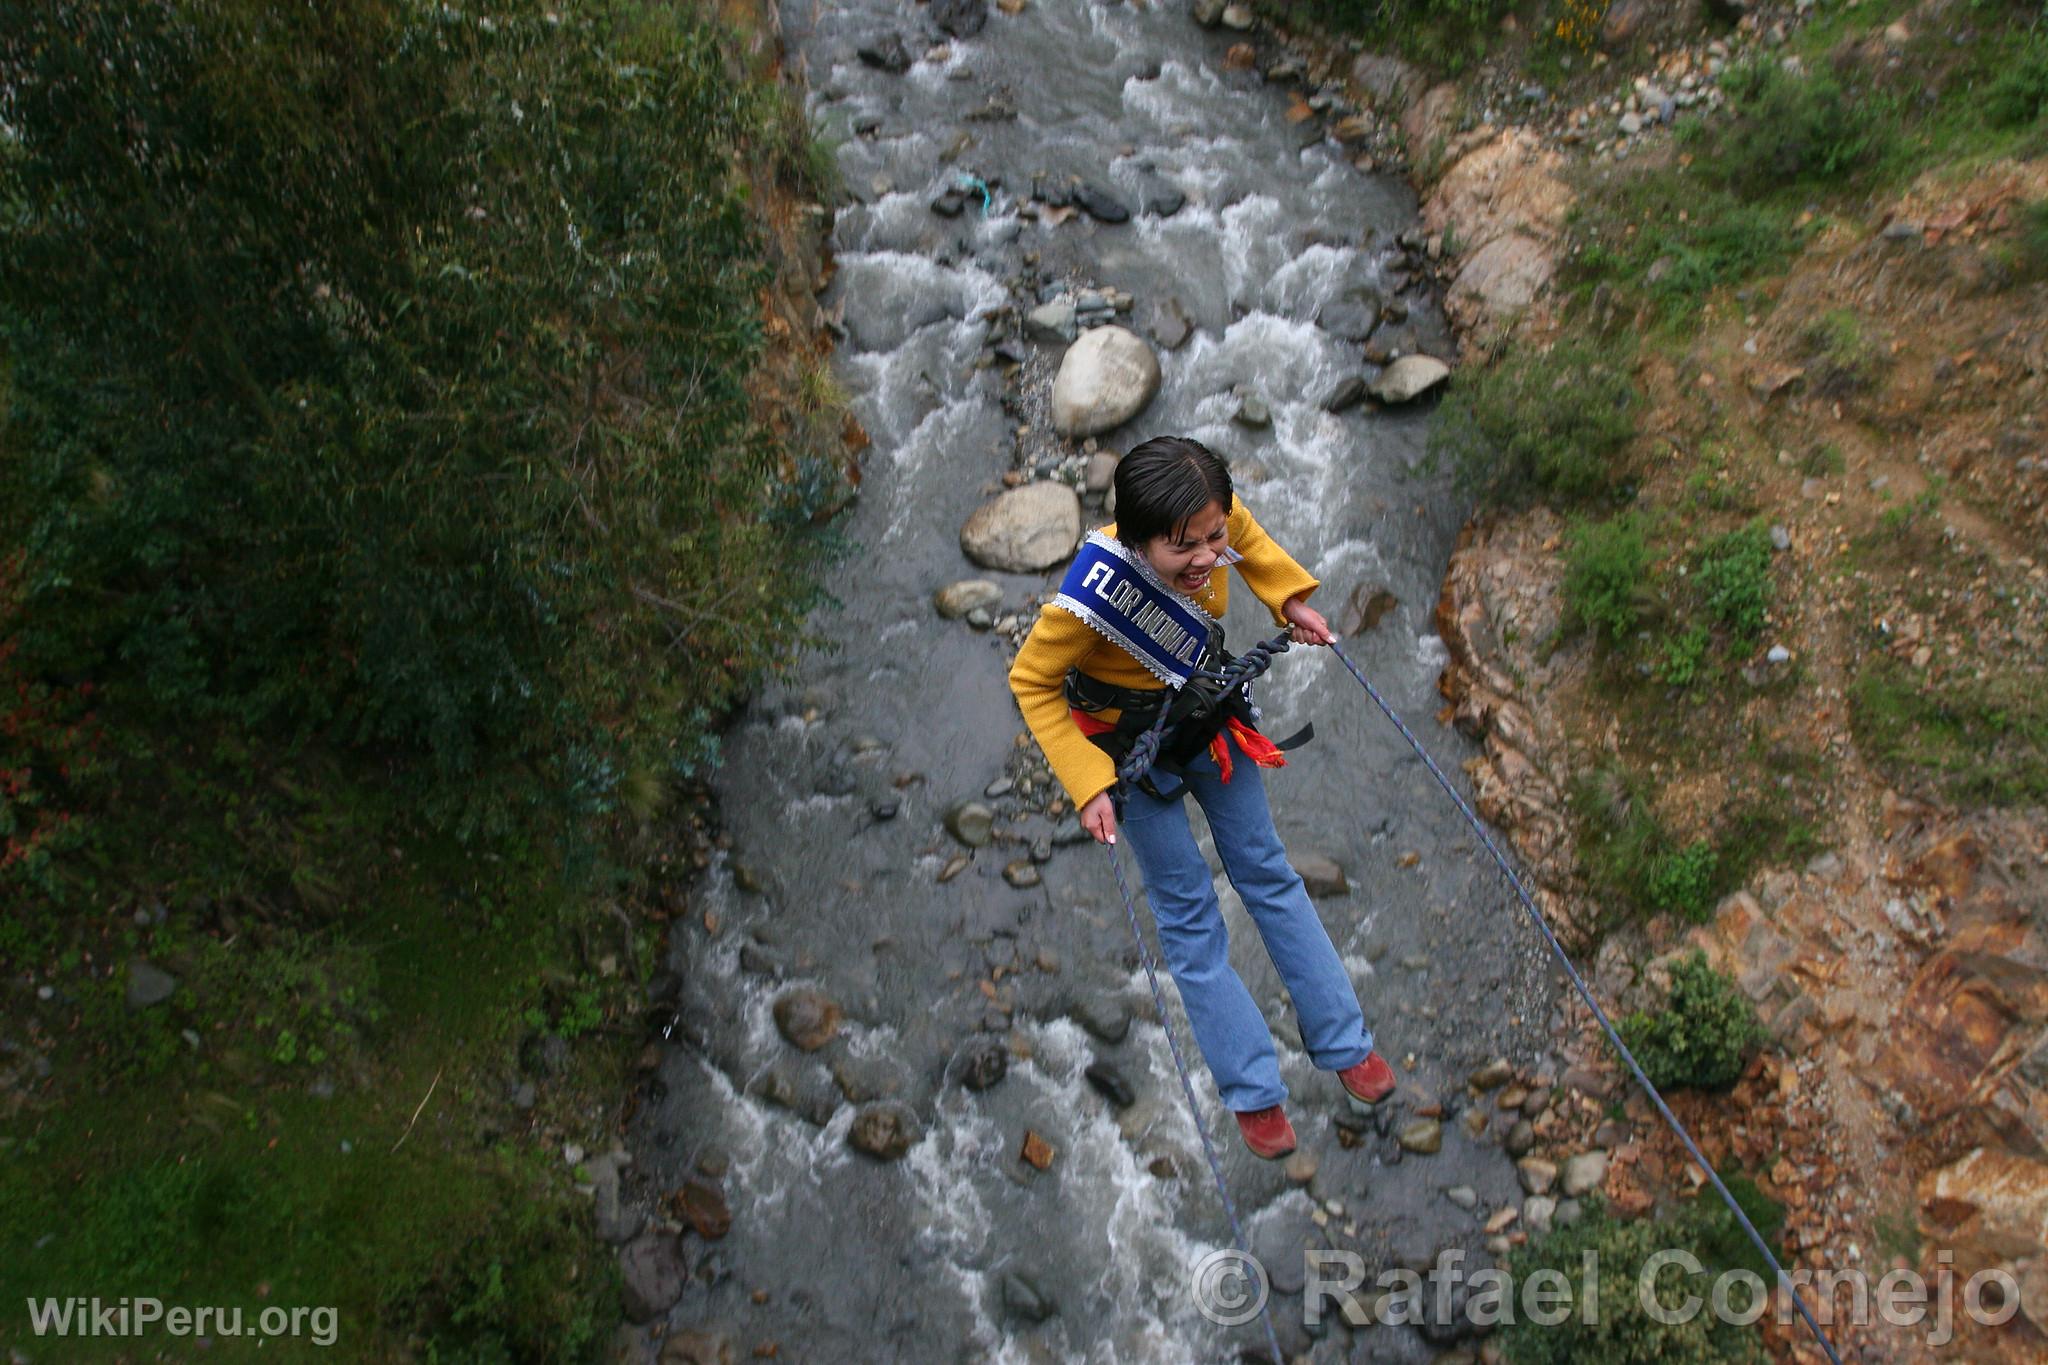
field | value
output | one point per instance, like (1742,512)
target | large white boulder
(1024,530)
(1106,378)
(1409,378)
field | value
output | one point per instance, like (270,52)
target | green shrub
(2031,242)
(1606,566)
(2018,94)
(1722,1241)
(1448,35)
(1685,655)
(1702,1037)
(1621,1332)
(1682,880)
(1787,128)
(1552,423)
(1733,578)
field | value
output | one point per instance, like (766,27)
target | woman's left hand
(1306,624)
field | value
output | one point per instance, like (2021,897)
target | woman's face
(1186,558)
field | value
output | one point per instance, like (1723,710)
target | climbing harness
(1190,716)
(1145,752)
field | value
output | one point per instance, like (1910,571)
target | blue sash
(1117,593)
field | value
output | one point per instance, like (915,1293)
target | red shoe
(1370,1081)
(1267,1132)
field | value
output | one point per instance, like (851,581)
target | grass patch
(2030,242)
(1553,423)
(2018,95)
(1634,864)
(262,1154)
(1630,859)
(1981,741)
(1841,357)
(1448,36)
(1670,238)
(1823,461)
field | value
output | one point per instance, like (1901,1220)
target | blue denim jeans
(1228,1026)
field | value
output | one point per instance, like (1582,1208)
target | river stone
(1536,1174)
(1052,322)
(1280,1242)
(702,1205)
(1409,378)
(148,984)
(1165,203)
(1024,1300)
(1022,873)
(694,1348)
(651,1275)
(1252,412)
(1209,13)
(981,1062)
(972,823)
(1367,606)
(1100,472)
(1520,1139)
(955,600)
(1584,1173)
(1237,16)
(960,18)
(1349,319)
(1032,528)
(1100,204)
(1348,393)
(862,1079)
(616,1223)
(885,52)
(1319,874)
(1109,1083)
(1105,379)
(1464,1196)
(1424,1137)
(1493,1075)
(1168,323)
(1107,1018)
(1537,1212)
(884,1131)
(807,1018)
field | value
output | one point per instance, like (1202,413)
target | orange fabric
(1256,746)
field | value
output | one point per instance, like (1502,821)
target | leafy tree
(376,373)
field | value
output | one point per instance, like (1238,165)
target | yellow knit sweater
(1060,641)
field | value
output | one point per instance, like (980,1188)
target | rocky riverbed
(913,1100)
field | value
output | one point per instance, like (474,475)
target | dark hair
(1163,482)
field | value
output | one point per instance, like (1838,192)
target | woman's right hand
(1098,817)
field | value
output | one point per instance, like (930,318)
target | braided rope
(1230,677)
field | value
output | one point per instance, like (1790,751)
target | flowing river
(835,783)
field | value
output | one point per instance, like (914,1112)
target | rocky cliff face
(1903,970)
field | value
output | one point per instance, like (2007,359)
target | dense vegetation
(386,521)
(1622,1332)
